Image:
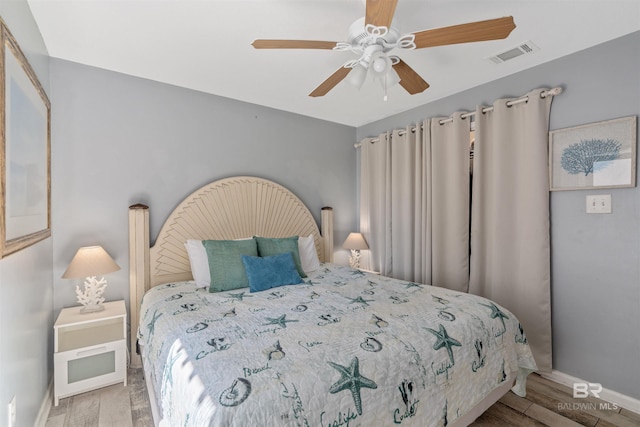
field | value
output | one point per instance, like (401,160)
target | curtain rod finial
(555,91)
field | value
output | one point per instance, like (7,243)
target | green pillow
(225,263)
(268,246)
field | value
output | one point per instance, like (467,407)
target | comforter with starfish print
(344,348)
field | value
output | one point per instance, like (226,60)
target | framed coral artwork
(596,155)
(25,172)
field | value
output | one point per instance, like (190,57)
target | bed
(342,348)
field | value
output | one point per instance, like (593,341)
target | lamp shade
(355,241)
(90,261)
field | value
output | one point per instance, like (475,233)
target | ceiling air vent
(523,49)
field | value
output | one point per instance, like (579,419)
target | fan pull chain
(385,88)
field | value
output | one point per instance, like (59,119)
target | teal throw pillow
(271,271)
(268,246)
(225,263)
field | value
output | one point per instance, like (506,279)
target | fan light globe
(380,64)
(357,76)
(392,78)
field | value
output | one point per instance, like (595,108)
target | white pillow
(308,255)
(199,263)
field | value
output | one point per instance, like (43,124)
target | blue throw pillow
(268,246)
(271,271)
(225,263)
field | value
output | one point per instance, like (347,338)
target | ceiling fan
(373,37)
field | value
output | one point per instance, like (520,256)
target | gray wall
(120,140)
(595,258)
(26,318)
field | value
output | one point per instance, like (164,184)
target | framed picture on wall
(25,142)
(596,155)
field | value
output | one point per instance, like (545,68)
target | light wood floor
(552,404)
(114,406)
(547,404)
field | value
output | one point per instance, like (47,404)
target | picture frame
(594,156)
(25,151)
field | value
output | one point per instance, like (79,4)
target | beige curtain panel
(409,185)
(510,236)
(450,203)
(414,203)
(375,201)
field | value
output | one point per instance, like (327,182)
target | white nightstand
(90,350)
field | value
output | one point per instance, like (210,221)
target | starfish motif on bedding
(496,313)
(413,285)
(152,324)
(350,379)
(360,300)
(280,321)
(239,296)
(444,340)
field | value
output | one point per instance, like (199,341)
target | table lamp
(89,262)
(355,242)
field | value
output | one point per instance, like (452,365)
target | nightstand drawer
(89,368)
(80,336)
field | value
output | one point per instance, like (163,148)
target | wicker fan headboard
(230,208)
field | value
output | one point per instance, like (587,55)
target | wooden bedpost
(138,270)
(327,233)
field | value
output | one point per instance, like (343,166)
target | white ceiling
(206,45)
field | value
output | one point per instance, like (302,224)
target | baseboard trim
(45,406)
(624,401)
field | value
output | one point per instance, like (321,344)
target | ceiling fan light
(389,79)
(380,64)
(357,76)
(392,78)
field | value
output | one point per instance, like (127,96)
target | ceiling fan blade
(292,44)
(380,12)
(331,82)
(409,79)
(492,29)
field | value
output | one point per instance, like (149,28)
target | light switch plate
(600,203)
